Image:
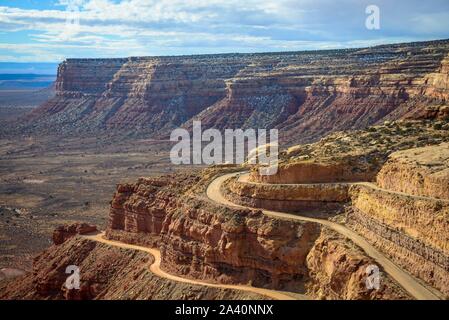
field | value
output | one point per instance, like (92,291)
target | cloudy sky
(52,30)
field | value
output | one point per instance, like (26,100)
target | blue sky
(52,30)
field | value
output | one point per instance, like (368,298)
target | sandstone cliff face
(205,241)
(315,172)
(353,156)
(437,83)
(424,220)
(336,270)
(405,219)
(302,93)
(421,172)
(199,240)
(62,233)
(318,200)
(301,192)
(412,231)
(105,273)
(420,259)
(135,94)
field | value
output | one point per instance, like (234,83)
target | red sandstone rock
(302,93)
(62,233)
(202,240)
(106,273)
(338,271)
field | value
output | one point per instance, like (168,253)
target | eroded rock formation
(105,273)
(338,270)
(421,172)
(406,219)
(203,240)
(319,200)
(207,241)
(353,156)
(62,233)
(306,94)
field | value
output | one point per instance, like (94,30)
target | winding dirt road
(412,285)
(244,177)
(155,268)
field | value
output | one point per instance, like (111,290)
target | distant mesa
(304,94)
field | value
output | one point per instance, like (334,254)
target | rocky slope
(301,93)
(336,270)
(202,240)
(318,200)
(105,273)
(403,212)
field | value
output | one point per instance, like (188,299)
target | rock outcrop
(62,233)
(406,220)
(405,215)
(318,200)
(106,273)
(301,93)
(203,240)
(353,156)
(307,171)
(339,270)
(200,239)
(421,172)
(320,192)
(419,258)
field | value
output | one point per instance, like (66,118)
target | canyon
(362,179)
(235,235)
(301,93)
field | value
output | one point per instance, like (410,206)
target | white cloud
(132,27)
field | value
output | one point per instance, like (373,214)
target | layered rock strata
(202,240)
(317,199)
(62,233)
(338,270)
(423,219)
(321,192)
(301,93)
(206,241)
(411,228)
(308,172)
(405,215)
(420,259)
(421,172)
(354,156)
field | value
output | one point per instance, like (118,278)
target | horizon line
(240,53)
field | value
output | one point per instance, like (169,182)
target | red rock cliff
(302,93)
(202,240)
